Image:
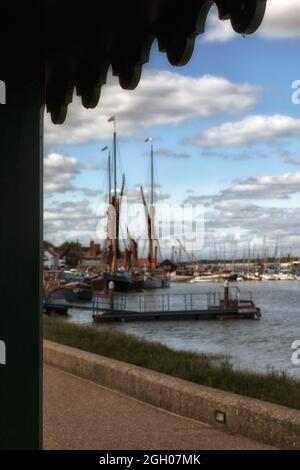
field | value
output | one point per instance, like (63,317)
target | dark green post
(21,141)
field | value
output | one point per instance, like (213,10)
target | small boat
(73,292)
(207,278)
(267,277)
(285,277)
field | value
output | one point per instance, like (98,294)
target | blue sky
(224,129)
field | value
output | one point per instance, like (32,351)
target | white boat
(267,277)
(285,277)
(180,278)
(277,277)
(209,278)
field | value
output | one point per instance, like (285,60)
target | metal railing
(141,303)
(151,303)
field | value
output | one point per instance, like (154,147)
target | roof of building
(52,251)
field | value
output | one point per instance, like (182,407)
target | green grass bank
(209,370)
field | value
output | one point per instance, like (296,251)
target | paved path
(79,414)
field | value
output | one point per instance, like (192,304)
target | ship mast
(115,159)
(109,257)
(150,249)
(115,201)
(109,178)
(152,176)
(108,171)
(150,217)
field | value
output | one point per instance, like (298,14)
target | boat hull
(98,284)
(154,282)
(124,284)
(72,294)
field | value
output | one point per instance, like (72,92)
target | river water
(259,345)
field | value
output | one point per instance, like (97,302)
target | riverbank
(209,370)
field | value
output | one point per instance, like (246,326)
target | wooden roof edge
(79,44)
(175,24)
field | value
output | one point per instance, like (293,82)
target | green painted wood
(20,260)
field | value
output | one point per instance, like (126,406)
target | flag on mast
(112,119)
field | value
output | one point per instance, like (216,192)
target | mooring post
(111,288)
(226,294)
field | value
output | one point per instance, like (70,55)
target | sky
(225,134)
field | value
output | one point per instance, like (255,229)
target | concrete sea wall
(262,421)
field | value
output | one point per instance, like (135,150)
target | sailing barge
(200,306)
(124,273)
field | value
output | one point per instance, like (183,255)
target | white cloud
(218,31)
(162,98)
(240,155)
(59,172)
(90,192)
(94,166)
(265,187)
(70,220)
(247,222)
(171,154)
(292,161)
(282,20)
(230,214)
(255,188)
(249,131)
(232,227)
(78,219)
(134,194)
